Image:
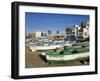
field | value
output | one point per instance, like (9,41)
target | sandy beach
(34,59)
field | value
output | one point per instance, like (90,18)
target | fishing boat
(65,55)
(41,48)
(48,45)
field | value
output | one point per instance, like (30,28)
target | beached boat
(48,45)
(43,47)
(65,55)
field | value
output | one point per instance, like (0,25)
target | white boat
(68,43)
(46,47)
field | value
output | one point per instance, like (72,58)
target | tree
(42,34)
(57,32)
(28,36)
(82,25)
(45,34)
(49,32)
(68,31)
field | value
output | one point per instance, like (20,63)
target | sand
(33,60)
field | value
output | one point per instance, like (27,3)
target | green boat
(66,55)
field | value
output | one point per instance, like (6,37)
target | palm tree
(49,32)
(57,32)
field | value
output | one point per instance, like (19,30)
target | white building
(36,34)
(84,33)
(76,30)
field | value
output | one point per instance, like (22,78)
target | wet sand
(33,60)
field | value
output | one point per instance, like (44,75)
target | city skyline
(47,21)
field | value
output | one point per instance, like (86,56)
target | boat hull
(36,48)
(66,57)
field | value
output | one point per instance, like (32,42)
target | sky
(49,21)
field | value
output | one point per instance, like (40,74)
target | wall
(5,40)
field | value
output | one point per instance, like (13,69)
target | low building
(78,31)
(36,34)
(84,33)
